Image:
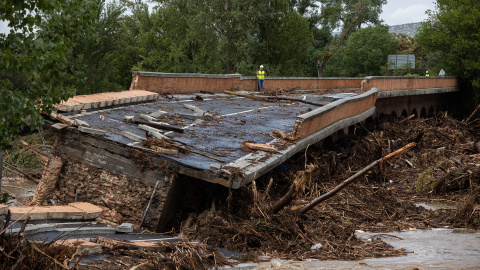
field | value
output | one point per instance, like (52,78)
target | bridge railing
(185,83)
(391,83)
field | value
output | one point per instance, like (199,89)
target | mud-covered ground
(442,168)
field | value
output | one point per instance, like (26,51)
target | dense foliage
(451,39)
(57,48)
(33,59)
(217,36)
(453,31)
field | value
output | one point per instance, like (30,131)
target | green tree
(348,16)
(94,62)
(42,35)
(232,36)
(364,54)
(453,31)
(406,45)
(367,50)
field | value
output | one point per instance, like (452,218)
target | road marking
(247,111)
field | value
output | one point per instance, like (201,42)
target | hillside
(409,29)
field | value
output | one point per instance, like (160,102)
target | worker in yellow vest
(427,74)
(261,79)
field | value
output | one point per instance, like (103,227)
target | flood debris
(63,119)
(252,146)
(248,225)
(283,214)
(383,198)
(273,98)
(356,176)
(129,118)
(159,255)
(159,125)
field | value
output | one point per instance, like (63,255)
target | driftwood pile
(372,180)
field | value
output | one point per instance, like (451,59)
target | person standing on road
(261,79)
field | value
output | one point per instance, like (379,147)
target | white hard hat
(261,66)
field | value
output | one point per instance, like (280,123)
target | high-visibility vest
(261,75)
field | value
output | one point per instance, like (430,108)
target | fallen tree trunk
(286,199)
(299,183)
(354,177)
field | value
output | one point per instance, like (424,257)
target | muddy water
(430,249)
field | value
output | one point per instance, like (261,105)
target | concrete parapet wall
(299,83)
(184,83)
(316,120)
(405,83)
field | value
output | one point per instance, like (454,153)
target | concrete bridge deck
(217,134)
(101,148)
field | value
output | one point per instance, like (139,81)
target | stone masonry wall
(127,196)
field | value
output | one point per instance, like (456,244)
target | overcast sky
(406,11)
(394,12)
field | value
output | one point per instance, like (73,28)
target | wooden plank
(260,146)
(160,126)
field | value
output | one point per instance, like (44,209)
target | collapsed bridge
(182,135)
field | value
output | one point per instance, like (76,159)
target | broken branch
(354,177)
(20,172)
(260,146)
(286,199)
(408,118)
(473,113)
(42,155)
(283,135)
(245,95)
(268,188)
(298,184)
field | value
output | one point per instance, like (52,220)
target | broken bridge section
(117,146)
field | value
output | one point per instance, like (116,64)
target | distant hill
(409,29)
